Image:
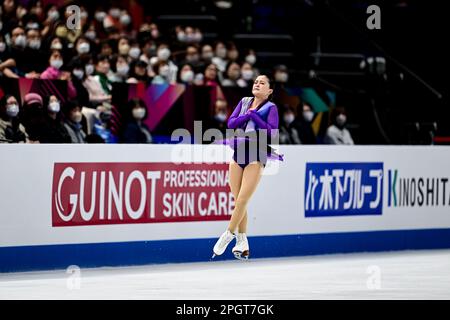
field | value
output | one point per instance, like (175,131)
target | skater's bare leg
(235,185)
(250,178)
(242,227)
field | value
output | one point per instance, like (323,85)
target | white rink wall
(108,205)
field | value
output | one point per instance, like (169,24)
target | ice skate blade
(241,255)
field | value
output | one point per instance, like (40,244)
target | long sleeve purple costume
(264,118)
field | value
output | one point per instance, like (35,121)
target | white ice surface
(392,275)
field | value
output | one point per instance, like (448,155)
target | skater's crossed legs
(242,190)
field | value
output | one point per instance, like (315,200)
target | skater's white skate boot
(222,243)
(241,250)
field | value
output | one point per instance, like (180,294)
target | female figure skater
(254,115)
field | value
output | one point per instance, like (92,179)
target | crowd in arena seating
(106,47)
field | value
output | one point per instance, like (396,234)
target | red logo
(117,193)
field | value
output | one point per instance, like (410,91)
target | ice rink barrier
(117,205)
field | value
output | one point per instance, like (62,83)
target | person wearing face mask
(232,76)
(11,129)
(162,71)
(54,72)
(136,131)
(207,54)
(304,122)
(92,82)
(247,74)
(77,69)
(281,75)
(219,119)
(186,74)
(72,121)
(220,56)
(122,69)
(34,49)
(82,46)
(336,132)
(163,53)
(192,57)
(52,129)
(288,130)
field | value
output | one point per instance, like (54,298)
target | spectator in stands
(121,69)
(289,132)
(220,56)
(232,52)
(52,129)
(72,121)
(304,121)
(207,54)
(11,130)
(247,74)
(6,63)
(210,75)
(162,71)
(232,77)
(186,75)
(281,75)
(135,51)
(139,72)
(77,69)
(193,58)
(37,63)
(163,53)
(136,131)
(53,72)
(32,115)
(219,119)
(336,132)
(102,124)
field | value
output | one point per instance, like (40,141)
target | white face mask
(138,113)
(134,52)
(123,69)
(78,73)
(77,116)
(221,52)
(164,71)
(12,110)
(115,13)
(90,35)
(99,16)
(34,44)
(289,118)
(56,46)
(21,41)
(308,115)
(207,55)
(163,54)
(247,75)
(2,46)
(250,59)
(53,15)
(221,117)
(341,120)
(56,63)
(54,106)
(89,69)
(83,48)
(125,19)
(281,77)
(187,76)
